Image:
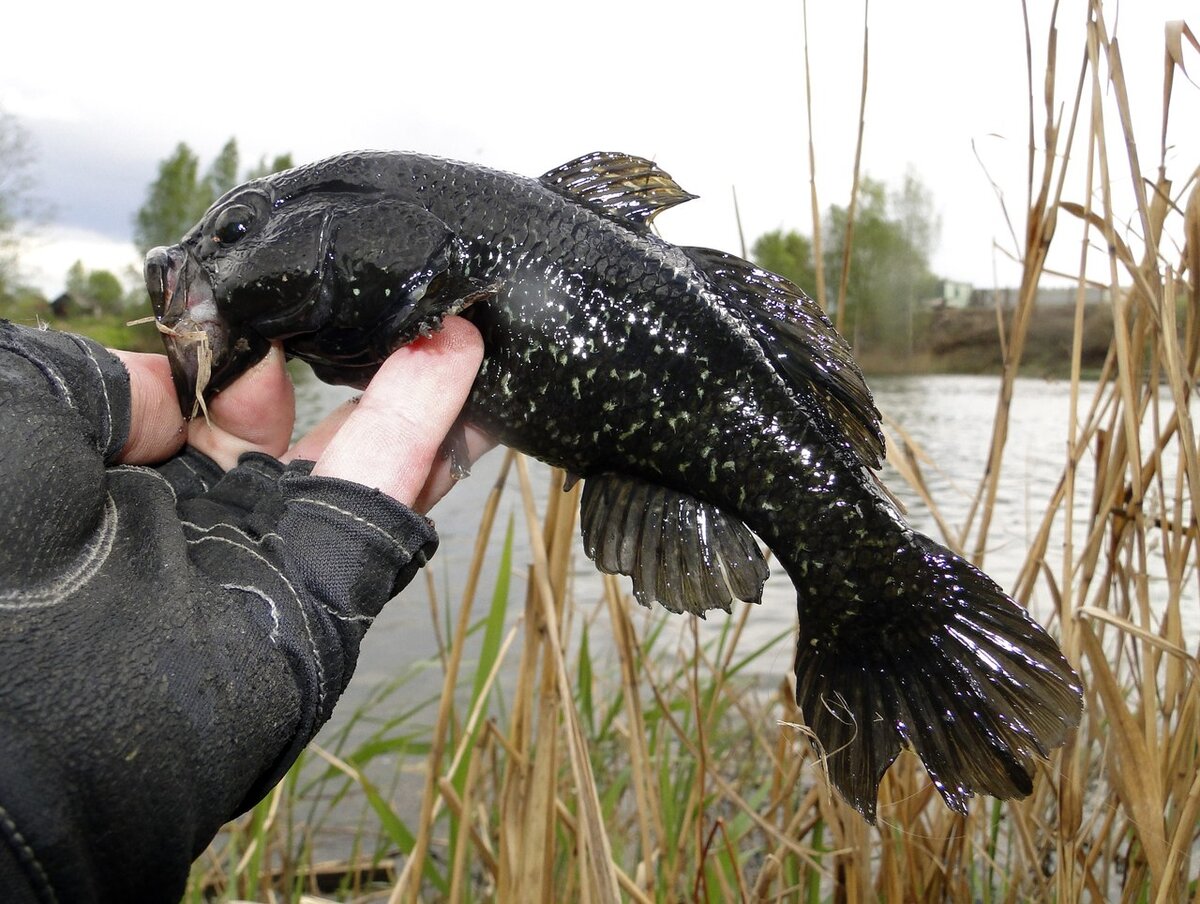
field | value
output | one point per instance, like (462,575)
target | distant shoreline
(965,341)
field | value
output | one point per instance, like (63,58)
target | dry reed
(630,770)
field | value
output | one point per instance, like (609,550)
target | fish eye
(232,223)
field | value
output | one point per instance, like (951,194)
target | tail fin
(943,662)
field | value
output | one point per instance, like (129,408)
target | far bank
(972,341)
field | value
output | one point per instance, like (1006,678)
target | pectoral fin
(682,553)
(454,447)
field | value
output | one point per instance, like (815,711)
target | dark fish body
(697,395)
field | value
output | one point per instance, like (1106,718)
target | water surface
(948,416)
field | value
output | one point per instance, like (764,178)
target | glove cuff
(363,546)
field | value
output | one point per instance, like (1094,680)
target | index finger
(391,439)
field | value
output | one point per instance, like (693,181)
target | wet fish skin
(695,393)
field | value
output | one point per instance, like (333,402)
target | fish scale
(700,398)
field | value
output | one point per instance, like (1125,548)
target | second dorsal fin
(802,342)
(629,189)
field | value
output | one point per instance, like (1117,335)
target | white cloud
(48,252)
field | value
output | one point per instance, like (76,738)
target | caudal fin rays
(952,668)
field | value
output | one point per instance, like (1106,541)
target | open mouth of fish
(205,352)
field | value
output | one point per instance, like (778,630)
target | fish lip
(161,271)
(195,336)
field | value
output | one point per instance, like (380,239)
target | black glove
(170,637)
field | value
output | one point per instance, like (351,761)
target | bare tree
(16,192)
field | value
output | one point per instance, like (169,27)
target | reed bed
(583,753)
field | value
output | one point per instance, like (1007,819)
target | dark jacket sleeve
(170,638)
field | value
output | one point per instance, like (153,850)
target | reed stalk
(599,752)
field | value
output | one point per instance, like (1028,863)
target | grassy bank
(110,330)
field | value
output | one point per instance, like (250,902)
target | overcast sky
(713,91)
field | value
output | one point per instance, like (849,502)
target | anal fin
(682,553)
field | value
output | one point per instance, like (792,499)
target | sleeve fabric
(170,637)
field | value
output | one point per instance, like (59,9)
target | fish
(706,404)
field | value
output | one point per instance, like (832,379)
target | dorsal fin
(681,553)
(631,190)
(798,336)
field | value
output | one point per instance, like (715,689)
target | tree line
(16,194)
(895,232)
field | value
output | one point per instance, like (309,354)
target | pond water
(948,416)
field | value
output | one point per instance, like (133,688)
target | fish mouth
(205,351)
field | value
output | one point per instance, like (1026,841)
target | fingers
(439,481)
(391,439)
(310,446)
(254,414)
(156,429)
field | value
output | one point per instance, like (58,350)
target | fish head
(244,275)
(342,273)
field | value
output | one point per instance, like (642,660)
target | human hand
(172,637)
(390,438)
